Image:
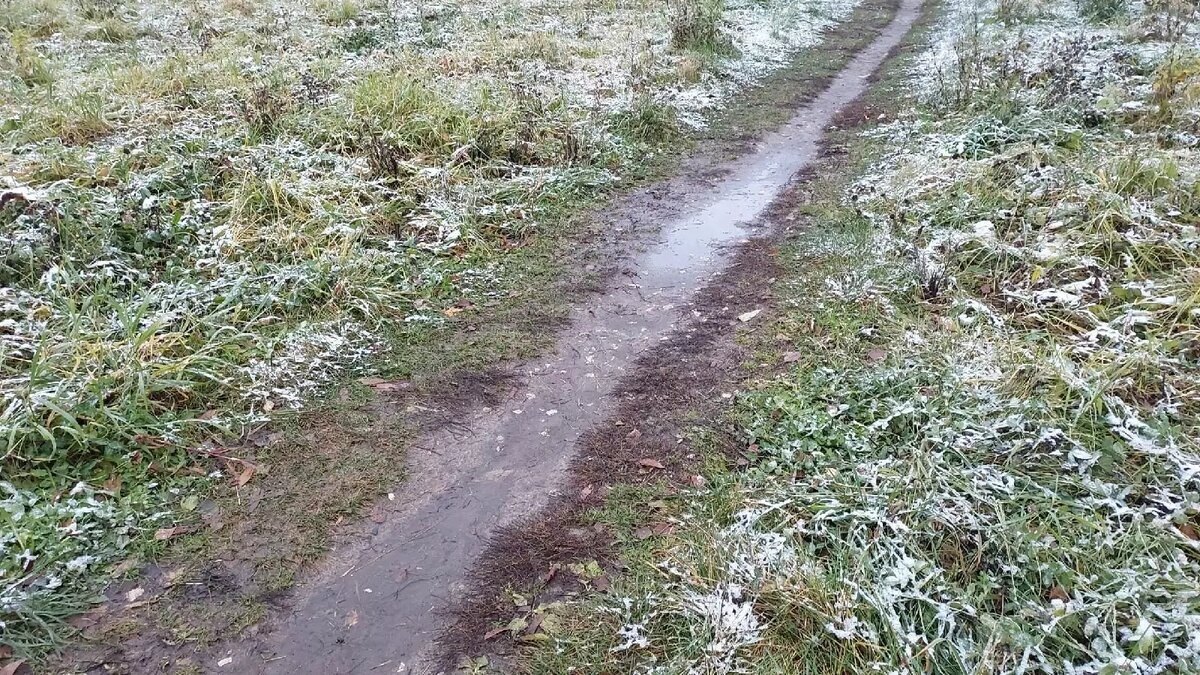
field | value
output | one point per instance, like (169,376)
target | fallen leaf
(549,574)
(134,593)
(1058,593)
(633,436)
(268,405)
(749,315)
(643,533)
(1188,530)
(877,355)
(651,463)
(151,441)
(452,311)
(113,485)
(245,475)
(585,492)
(697,481)
(166,533)
(207,415)
(393,385)
(601,584)
(6,652)
(11,667)
(792,357)
(351,618)
(663,528)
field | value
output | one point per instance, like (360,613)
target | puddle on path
(374,608)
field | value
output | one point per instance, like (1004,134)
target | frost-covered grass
(215,210)
(987,456)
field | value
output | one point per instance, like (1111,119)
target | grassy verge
(981,452)
(217,217)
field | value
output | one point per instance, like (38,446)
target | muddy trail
(378,605)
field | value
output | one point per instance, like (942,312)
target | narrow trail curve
(374,607)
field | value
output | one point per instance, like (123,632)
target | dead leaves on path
(385,386)
(165,533)
(534,621)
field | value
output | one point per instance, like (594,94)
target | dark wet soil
(656,338)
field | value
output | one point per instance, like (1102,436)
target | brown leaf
(151,441)
(166,533)
(351,618)
(6,652)
(245,474)
(650,463)
(877,355)
(1188,530)
(643,533)
(1058,593)
(207,415)
(494,632)
(452,311)
(585,492)
(380,384)
(11,667)
(600,583)
(113,485)
(633,436)
(549,574)
(792,357)
(663,528)
(697,481)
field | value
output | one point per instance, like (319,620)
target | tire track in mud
(379,605)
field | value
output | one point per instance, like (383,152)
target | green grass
(959,468)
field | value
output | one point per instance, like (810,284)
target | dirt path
(375,607)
